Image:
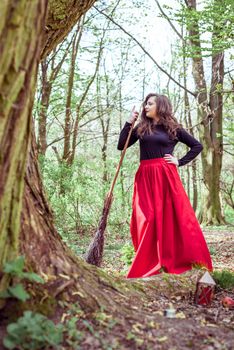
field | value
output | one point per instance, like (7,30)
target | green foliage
(225,279)
(33,331)
(127,254)
(77,195)
(103,343)
(212,250)
(73,335)
(73,195)
(16,291)
(15,270)
(211,23)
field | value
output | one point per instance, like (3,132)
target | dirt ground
(145,325)
(221,245)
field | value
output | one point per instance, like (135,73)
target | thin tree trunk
(194,166)
(45,97)
(46,88)
(80,104)
(189,121)
(105,124)
(121,175)
(67,127)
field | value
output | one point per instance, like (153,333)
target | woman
(165,232)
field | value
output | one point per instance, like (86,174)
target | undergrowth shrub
(224,279)
(33,331)
(127,254)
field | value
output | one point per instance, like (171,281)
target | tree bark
(40,239)
(210,115)
(67,127)
(189,126)
(40,242)
(212,159)
(62,16)
(47,80)
(45,97)
(21,34)
(105,124)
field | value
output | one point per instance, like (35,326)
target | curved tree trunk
(21,33)
(21,36)
(62,17)
(39,240)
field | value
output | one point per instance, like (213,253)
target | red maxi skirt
(165,231)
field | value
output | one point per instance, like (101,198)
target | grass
(224,279)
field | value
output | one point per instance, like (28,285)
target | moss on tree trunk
(20,42)
(25,32)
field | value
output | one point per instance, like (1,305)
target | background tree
(210,99)
(49,72)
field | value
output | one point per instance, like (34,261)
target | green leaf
(33,331)
(8,343)
(15,267)
(5,294)
(12,328)
(31,276)
(19,292)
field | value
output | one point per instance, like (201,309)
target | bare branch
(57,154)
(232,154)
(169,21)
(145,51)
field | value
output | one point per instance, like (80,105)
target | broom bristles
(95,250)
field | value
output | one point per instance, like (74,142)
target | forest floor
(220,242)
(145,326)
(194,327)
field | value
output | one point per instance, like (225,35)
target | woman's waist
(152,161)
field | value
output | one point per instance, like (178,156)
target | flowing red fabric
(165,231)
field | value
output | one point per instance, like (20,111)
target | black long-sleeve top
(158,144)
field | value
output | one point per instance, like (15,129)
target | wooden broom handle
(120,161)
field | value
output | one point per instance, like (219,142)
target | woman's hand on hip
(170,159)
(133,116)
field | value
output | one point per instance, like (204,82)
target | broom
(95,249)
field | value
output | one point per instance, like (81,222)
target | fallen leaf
(162,339)
(159,313)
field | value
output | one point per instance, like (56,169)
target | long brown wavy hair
(164,112)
